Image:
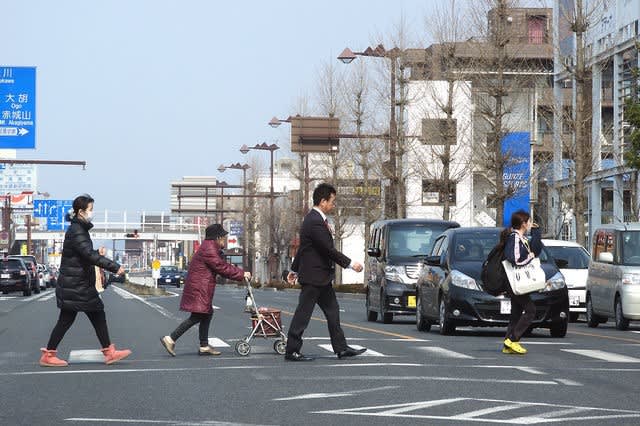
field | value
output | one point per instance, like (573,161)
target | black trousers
(65,321)
(195,318)
(519,321)
(325,298)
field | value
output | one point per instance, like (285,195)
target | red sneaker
(49,359)
(112,355)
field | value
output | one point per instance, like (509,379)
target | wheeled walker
(266,323)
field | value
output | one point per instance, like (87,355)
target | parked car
(113,278)
(14,276)
(396,249)
(573,261)
(30,262)
(613,281)
(43,276)
(450,291)
(172,275)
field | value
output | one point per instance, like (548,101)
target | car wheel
(621,322)
(37,289)
(422,324)
(592,319)
(573,316)
(559,328)
(178,285)
(446,325)
(387,317)
(372,316)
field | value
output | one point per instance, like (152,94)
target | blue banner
(17,107)
(516,151)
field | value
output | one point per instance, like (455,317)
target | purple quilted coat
(206,264)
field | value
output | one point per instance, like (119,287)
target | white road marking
(529,370)
(370,339)
(425,378)
(334,394)
(569,382)
(125,294)
(446,353)
(130,370)
(372,364)
(48,297)
(547,343)
(369,352)
(85,355)
(215,307)
(483,412)
(602,355)
(550,412)
(217,343)
(164,422)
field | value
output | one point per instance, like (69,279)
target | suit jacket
(316,257)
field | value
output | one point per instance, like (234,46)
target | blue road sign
(54,211)
(17,107)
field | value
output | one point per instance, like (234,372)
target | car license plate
(168,280)
(505,306)
(411,302)
(5,276)
(574,300)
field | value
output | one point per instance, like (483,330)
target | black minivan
(450,291)
(396,250)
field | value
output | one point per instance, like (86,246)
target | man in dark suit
(314,267)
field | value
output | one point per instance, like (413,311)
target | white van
(573,261)
(613,283)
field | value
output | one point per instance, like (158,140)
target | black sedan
(450,293)
(171,275)
(14,276)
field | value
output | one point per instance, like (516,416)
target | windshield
(168,270)
(630,248)
(473,246)
(576,257)
(413,240)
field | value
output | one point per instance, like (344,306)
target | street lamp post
(347,56)
(243,167)
(271,148)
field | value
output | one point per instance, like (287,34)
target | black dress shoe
(297,356)
(351,352)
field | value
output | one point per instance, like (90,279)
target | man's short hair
(322,192)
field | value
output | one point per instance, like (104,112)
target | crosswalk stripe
(369,352)
(445,353)
(85,355)
(602,355)
(217,343)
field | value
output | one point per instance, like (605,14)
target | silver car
(613,283)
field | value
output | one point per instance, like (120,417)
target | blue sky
(148,91)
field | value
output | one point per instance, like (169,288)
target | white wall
(421,160)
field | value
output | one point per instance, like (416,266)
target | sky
(148,91)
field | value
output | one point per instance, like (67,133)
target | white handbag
(527,278)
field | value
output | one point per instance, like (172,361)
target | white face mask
(88,216)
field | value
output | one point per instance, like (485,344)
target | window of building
(537,29)
(436,132)
(433,192)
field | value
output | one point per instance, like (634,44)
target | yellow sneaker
(515,347)
(506,350)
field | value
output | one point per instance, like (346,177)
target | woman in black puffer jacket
(76,288)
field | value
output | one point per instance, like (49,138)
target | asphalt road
(407,377)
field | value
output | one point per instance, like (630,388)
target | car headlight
(461,280)
(556,282)
(397,274)
(630,278)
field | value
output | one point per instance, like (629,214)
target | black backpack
(494,278)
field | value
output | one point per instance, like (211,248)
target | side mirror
(562,263)
(605,257)
(373,252)
(432,260)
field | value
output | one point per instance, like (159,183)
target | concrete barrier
(145,281)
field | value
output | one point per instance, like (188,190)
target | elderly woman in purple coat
(197,296)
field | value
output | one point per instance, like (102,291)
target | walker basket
(271,324)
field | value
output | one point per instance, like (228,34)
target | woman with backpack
(519,251)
